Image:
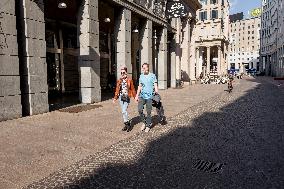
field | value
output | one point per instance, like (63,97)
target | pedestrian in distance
(123,92)
(147,88)
(230,83)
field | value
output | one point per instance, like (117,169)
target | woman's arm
(116,94)
(132,89)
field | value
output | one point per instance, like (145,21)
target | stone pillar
(123,40)
(208,60)
(33,66)
(198,71)
(186,51)
(10,94)
(146,44)
(192,59)
(219,60)
(178,49)
(89,60)
(162,60)
(173,62)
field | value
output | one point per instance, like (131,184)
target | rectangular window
(203,15)
(203,2)
(214,14)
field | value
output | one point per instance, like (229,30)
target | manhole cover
(77,109)
(207,166)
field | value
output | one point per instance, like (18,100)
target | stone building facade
(211,38)
(272,34)
(244,45)
(53,51)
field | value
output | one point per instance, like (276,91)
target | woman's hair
(124,68)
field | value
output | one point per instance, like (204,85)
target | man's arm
(156,87)
(138,92)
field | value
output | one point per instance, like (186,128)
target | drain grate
(207,166)
(77,109)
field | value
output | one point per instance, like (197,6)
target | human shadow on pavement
(136,120)
(242,141)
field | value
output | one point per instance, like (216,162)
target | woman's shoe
(125,126)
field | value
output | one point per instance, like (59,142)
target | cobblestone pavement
(230,141)
(32,148)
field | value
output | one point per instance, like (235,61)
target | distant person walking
(147,88)
(124,91)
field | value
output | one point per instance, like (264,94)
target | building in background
(55,53)
(244,45)
(211,38)
(236,17)
(272,38)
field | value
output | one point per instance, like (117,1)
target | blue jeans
(148,103)
(124,106)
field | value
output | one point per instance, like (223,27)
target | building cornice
(193,4)
(142,11)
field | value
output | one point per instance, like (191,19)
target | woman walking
(124,91)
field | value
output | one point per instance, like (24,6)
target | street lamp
(135,29)
(62,4)
(107,20)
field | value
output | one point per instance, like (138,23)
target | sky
(244,6)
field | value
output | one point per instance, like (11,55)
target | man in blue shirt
(147,85)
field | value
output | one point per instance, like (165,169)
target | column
(198,71)
(178,48)
(33,66)
(208,60)
(192,59)
(185,51)
(219,60)
(89,60)
(162,60)
(146,44)
(10,94)
(173,62)
(123,40)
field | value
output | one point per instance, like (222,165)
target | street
(227,141)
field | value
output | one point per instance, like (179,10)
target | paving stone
(233,130)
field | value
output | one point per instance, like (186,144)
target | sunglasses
(122,73)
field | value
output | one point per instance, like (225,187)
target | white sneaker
(143,127)
(147,129)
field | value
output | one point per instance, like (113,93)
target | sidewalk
(34,147)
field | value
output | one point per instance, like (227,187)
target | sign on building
(176,9)
(255,12)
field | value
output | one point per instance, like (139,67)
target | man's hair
(145,64)
(124,68)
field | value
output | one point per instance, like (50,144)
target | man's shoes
(126,126)
(143,127)
(147,129)
(163,121)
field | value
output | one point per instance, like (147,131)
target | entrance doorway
(62,54)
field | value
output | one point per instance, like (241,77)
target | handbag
(125,98)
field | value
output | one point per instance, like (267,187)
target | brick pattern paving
(241,130)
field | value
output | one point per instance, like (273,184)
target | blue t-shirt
(147,82)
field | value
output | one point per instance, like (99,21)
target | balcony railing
(143,3)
